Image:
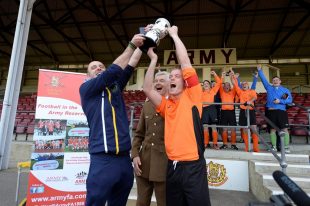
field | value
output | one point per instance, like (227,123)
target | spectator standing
(277,99)
(209,112)
(247,96)
(228,116)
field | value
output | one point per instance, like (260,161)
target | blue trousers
(110,180)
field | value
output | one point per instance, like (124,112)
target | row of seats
(298,116)
(25,117)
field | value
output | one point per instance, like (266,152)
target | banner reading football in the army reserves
(60,160)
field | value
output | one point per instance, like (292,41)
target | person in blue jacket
(110,176)
(277,99)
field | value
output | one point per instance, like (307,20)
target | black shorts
(278,117)
(187,183)
(209,115)
(228,117)
(243,117)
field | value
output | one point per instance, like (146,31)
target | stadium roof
(78,31)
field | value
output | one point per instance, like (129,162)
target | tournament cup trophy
(155,34)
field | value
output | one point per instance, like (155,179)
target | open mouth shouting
(173,86)
(159,88)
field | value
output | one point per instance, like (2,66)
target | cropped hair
(166,74)
(275,77)
(207,81)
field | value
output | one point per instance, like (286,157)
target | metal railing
(248,127)
(282,160)
(300,88)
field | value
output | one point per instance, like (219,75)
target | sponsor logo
(80,178)
(80,132)
(46,165)
(36,190)
(216,174)
(57,179)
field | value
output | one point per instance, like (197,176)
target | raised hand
(259,67)
(151,53)
(173,30)
(138,40)
(231,73)
(255,74)
(148,27)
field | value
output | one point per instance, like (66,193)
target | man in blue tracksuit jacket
(110,176)
(277,99)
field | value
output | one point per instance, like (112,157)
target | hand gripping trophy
(155,34)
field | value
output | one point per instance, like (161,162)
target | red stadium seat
(29,130)
(291,120)
(20,129)
(291,114)
(301,132)
(301,121)
(293,109)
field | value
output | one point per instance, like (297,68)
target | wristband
(132,45)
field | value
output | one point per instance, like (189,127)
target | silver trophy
(157,32)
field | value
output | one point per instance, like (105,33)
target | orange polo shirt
(228,97)
(208,96)
(245,96)
(180,140)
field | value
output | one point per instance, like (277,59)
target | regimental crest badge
(217,175)
(55,81)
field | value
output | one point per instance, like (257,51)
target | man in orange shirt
(209,113)
(247,96)
(228,116)
(187,182)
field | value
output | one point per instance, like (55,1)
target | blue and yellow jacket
(275,93)
(103,104)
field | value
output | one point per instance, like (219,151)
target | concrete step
(278,191)
(302,181)
(292,169)
(262,156)
(261,177)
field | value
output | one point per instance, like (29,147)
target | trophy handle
(148,42)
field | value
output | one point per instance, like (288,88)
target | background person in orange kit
(228,116)
(247,96)
(209,112)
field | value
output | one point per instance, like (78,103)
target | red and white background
(60,160)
